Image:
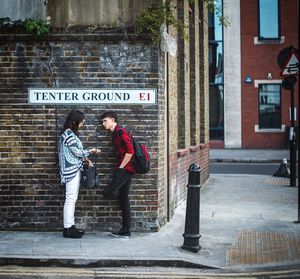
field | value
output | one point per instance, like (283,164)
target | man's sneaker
(72,232)
(121,234)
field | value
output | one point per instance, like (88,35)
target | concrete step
(14,272)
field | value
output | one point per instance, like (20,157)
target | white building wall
(65,13)
(22,9)
(232,76)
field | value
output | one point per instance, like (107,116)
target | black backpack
(141,160)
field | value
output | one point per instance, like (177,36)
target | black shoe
(81,231)
(72,232)
(121,234)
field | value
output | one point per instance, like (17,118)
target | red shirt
(122,141)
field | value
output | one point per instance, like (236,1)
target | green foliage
(213,7)
(150,20)
(36,27)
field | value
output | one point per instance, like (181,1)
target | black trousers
(119,188)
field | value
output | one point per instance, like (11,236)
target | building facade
(253,108)
(86,50)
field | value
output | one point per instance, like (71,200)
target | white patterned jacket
(71,155)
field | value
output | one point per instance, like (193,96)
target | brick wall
(190,89)
(183,69)
(258,61)
(194,74)
(180,163)
(162,159)
(203,73)
(30,193)
(31,197)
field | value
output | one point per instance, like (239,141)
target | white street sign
(71,96)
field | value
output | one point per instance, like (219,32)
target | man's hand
(95,151)
(126,159)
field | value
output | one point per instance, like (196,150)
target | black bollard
(192,219)
(283,170)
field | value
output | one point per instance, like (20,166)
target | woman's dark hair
(110,114)
(73,120)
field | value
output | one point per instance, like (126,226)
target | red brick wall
(179,165)
(258,61)
(188,101)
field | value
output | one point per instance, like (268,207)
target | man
(119,186)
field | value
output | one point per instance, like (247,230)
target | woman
(71,157)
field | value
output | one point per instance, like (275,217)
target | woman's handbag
(89,176)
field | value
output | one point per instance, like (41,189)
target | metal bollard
(192,219)
(283,169)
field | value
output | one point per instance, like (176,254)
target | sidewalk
(246,223)
(249,155)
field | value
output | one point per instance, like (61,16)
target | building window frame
(278,38)
(261,127)
(217,132)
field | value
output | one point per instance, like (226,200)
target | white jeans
(72,189)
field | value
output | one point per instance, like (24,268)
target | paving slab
(249,155)
(232,207)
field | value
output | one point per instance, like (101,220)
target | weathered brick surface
(31,197)
(183,78)
(190,89)
(30,191)
(194,75)
(180,163)
(203,75)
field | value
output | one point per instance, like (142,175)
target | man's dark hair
(109,114)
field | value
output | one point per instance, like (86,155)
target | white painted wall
(21,9)
(232,76)
(65,13)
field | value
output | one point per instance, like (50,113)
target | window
(215,31)
(216,73)
(268,20)
(216,62)
(269,106)
(216,112)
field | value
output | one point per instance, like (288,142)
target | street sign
(288,62)
(291,65)
(91,96)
